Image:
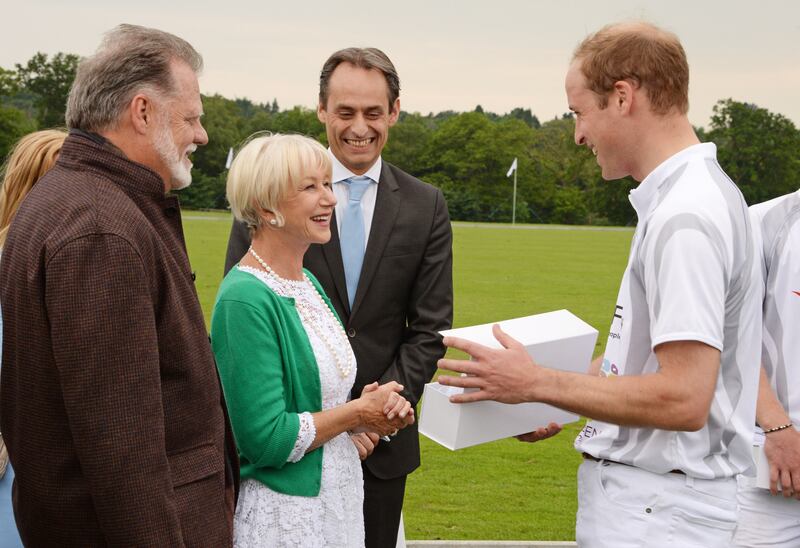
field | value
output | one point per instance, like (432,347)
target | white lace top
(334,518)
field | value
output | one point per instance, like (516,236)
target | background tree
(473,155)
(8,82)
(14,121)
(466,154)
(226,129)
(526,116)
(299,120)
(14,124)
(759,150)
(408,145)
(49,81)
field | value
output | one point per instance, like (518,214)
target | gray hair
(130,59)
(365,58)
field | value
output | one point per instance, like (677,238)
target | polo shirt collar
(643,195)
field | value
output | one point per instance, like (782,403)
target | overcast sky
(454,55)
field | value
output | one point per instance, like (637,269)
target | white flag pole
(514,199)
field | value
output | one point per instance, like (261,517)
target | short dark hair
(365,58)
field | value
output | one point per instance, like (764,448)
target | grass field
(504,490)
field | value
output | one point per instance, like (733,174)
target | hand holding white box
(785,453)
(761,477)
(557,340)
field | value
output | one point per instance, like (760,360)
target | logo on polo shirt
(617,315)
(588,432)
(609,369)
(616,324)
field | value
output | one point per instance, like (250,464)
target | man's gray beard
(168,152)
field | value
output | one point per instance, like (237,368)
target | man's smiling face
(597,127)
(357,116)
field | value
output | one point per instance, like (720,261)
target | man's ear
(322,114)
(141,113)
(394,114)
(622,97)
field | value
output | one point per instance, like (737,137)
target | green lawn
(504,490)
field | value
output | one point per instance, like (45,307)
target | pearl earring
(273,222)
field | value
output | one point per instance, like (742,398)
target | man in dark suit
(387,267)
(111,405)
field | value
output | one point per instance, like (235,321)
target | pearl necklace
(343,359)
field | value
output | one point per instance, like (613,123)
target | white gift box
(558,339)
(761,477)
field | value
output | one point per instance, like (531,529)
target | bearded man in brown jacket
(111,406)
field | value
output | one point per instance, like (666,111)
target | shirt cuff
(305,437)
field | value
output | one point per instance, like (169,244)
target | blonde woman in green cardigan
(285,361)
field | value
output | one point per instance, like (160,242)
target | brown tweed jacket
(111,406)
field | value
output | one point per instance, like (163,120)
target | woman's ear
(268,217)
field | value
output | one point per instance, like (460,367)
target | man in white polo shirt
(765,519)
(673,398)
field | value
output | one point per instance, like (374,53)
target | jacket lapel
(387,204)
(332,252)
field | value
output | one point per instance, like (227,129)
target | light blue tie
(352,238)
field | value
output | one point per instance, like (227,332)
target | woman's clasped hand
(383,409)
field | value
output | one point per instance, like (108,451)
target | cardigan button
(351,332)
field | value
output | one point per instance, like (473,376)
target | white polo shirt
(691,276)
(776,225)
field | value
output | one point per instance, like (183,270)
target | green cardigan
(269,376)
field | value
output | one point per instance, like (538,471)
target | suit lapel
(332,252)
(387,204)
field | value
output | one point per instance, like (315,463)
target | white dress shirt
(342,192)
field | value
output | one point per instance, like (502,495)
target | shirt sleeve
(305,437)
(245,339)
(685,276)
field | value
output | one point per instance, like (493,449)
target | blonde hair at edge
(264,170)
(31,157)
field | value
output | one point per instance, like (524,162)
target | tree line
(466,154)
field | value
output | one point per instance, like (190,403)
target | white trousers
(765,520)
(623,506)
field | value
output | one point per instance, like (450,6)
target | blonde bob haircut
(31,157)
(264,171)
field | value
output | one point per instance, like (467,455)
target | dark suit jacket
(111,404)
(404,297)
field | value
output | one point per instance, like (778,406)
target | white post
(514,200)
(401,534)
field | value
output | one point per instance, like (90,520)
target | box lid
(528,330)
